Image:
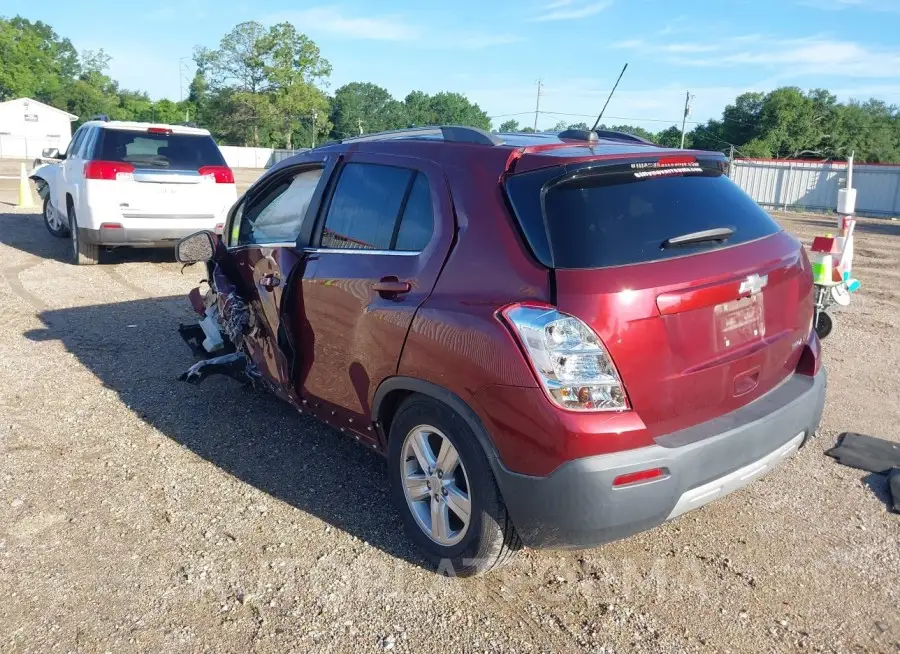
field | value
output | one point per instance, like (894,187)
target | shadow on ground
(26,232)
(134,349)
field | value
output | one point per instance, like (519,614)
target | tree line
(267,86)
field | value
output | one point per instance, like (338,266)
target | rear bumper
(140,236)
(576,506)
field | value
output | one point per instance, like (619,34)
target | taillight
(221,174)
(568,358)
(677,160)
(108,170)
(159,130)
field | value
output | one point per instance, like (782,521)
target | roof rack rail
(592,136)
(450,133)
(102,117)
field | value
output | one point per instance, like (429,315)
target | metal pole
(731,163)
(687,111)
(537,106)
(850,169)
(315,116)
(359,124)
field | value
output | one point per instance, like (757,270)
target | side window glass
(75,143)
(88,144)
(365,207)
(276,215)
(417,223)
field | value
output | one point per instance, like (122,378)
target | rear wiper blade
(717,234)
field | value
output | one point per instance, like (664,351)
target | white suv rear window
(151,150)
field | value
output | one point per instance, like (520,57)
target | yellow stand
(26,200)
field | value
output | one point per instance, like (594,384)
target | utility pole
(183,73)
(315,118)
(359,124)
(537,106)
(731,162)
(687,112)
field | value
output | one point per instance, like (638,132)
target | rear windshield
(626,216)
(172,151)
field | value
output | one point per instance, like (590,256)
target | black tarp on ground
(873,455)
(894,486)
(866,453)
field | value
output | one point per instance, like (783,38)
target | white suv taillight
(569,359)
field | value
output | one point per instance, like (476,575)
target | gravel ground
(139,514)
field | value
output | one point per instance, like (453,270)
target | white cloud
(570,10)
(331,20)
(787,57)
(819,55)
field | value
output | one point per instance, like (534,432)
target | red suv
(556,340)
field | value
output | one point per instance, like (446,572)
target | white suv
(134,184)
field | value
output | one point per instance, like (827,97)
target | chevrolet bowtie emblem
(754,284)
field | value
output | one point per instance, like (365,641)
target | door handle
(270,281)
(391,286)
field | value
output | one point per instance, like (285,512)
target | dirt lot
(138,516)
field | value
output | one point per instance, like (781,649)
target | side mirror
(50,153)
(196,247)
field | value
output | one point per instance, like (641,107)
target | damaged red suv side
(556,340)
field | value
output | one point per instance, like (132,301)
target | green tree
(361,107)
(417,106)
(671,138)
(509,126)
(795,124)
(870,130)
(455,109)
(581,126)
(264,84)
(236,72)
(34,61)
(444,108)
(293,66)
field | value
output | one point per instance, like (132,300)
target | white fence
(241,157)
(814,185)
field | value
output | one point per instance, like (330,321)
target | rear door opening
(700,297)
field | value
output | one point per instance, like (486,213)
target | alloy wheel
(435,485)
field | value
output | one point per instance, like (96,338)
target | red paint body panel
(688,365)
(356,333)
(456,340)
(535,437)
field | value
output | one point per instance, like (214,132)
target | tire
(83,254)
(489,540)
(56,225)
(824,325)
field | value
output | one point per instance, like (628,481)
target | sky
(495,52)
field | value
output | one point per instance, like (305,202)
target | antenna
(597,122)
